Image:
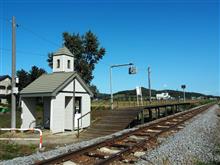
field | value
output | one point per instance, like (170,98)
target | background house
(5,88)
(163,96)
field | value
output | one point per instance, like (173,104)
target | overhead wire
(39,36)
(21,52)
(24,52)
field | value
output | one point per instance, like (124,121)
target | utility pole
(149,85)
(111,101)
(74,99)
(13,82)
(184,96)
(132,70)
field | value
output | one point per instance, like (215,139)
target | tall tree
(87,52)
(35,72)
(25,78)
(94,90)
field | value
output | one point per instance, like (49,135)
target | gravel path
(197,141)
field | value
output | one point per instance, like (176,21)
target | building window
(78,104)
(58,63)
(68,64)
(2,87)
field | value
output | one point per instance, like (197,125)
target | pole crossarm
(120,65)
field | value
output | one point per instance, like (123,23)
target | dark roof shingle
(48,84)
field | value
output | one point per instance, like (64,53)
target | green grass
(11,150)
(5,120)
(203,163)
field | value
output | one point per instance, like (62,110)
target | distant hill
(145,93)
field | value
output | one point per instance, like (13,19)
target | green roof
(51,84)
(63,51)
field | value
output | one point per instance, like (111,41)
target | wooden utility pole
(149,85)
(13,82)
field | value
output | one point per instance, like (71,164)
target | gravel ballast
(31,159)
(197,141)
(193,141)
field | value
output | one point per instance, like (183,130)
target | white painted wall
(85,102)
(78,87)
(57,114)
(68,110)
(28,106)
(86,107)
(63,63)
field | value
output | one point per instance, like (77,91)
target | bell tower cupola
(63,60)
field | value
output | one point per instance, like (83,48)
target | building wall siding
(78,87)
(63,63)
(68,112)
(28,112)
(85,108)
(57,115)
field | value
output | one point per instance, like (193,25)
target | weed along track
(122,149)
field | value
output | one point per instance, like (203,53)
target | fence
(24,129)
(124,102)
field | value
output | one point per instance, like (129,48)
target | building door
(78,112)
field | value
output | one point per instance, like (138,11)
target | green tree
(35,72)
(25,78)
(87,52)
(94,90)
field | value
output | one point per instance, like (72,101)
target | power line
(39,36)
(24,52)
(32,32)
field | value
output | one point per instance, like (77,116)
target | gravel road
(197,141)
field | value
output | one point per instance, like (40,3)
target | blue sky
(178,39)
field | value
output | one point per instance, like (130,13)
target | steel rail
(142,142)
(109,142)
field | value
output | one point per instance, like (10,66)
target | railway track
(119,150)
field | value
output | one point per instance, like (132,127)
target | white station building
(57,91)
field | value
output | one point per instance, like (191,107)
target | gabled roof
(51,84)
(63,51)
(4,77)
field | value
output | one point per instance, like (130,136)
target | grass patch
(12,150)
(5,120)
(204,163)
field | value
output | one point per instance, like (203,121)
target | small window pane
(2,87)
(68,64)
(58,63)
